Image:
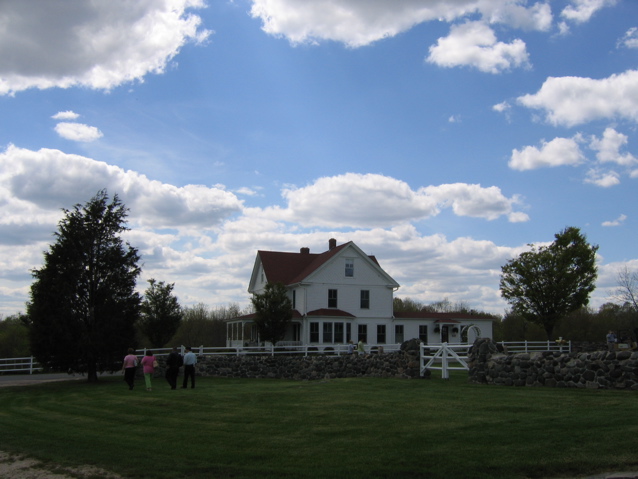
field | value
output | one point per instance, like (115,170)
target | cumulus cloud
(94,44)
(604,179)
(474,44)
(78,132)
(558,152)
(580,11)
(573,101)
(355,200)
(47,180)
(66,115)
(608,148)
(357,23)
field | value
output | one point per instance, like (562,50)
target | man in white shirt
(189,367)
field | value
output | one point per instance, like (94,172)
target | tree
(273,310)
(14,336)
(161,313)
(626,292)
(549,282)
(83,306)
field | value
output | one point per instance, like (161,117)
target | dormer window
(349,267)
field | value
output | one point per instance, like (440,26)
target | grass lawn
(354,428)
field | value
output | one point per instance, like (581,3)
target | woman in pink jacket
(148,364)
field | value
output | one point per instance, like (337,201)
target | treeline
(585,324)
(200,325)
(444,306)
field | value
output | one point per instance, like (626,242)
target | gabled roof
(293,268)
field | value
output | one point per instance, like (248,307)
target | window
(294,299)
(349,267)
(332,298)
(338,332)
(327,332)
(365,299)
(314,332)
(363,333)
(398,333)
(380,333)
(423,333)
(348,332)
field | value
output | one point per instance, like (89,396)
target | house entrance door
(445,336)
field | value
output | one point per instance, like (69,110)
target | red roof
(292,268)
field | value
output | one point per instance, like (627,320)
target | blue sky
(442,137)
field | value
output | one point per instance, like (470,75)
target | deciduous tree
(549,282)
(83,306)
(273,310)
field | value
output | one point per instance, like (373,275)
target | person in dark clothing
(173,363)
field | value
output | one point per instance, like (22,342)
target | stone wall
(391,365)
(595,370)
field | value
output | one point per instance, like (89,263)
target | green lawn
(354,428)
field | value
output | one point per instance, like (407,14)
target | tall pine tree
(83,306)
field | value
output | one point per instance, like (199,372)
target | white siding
(366,277)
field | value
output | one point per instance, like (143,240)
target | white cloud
(604,179)
(558,152)
(47,180)
(95,44)
(354,200)
(580,11)
(572,101)
(608,148)
(474,44)
(517,15)
(66,115)
(78,132)
(358,22)
(629,39)
(502,107)
(617,222)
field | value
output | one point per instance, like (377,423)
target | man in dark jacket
(173,363)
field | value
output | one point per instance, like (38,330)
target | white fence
(435,356)
(561,346)
(448,357)
(25,365)
(324,350)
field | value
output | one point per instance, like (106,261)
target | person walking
(361,350)
(189,367)
(129,366)
(350,347)
(173,363)
(611,341)
(149,363)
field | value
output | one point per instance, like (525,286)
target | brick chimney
(332,243)
(304,250)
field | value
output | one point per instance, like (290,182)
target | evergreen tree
(161,313)
(83,305)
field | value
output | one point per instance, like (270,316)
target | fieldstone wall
(390,365)
(594,370)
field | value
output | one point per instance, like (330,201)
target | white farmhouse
(343,294)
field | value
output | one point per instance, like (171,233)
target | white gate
(442,358)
